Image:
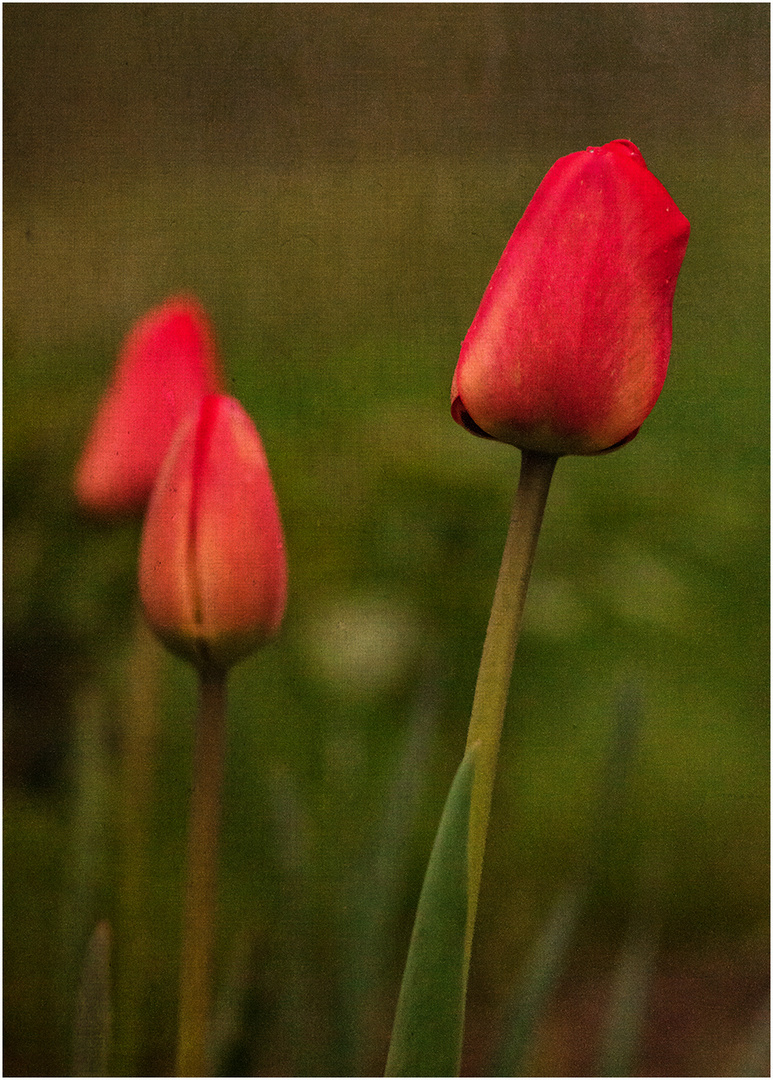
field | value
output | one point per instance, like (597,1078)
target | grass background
(336,183)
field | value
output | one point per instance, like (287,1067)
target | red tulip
(569,349)
(213,575)
(167,363)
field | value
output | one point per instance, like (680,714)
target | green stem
(201,882)
(496,664)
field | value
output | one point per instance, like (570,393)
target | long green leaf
(544,968)
(373,897)
(753,1058)
(93,1021)
(624,1020)
(429,1023)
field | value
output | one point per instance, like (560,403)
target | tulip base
(201,878)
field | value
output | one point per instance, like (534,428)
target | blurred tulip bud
(213,575)
(569,349)
(167,363)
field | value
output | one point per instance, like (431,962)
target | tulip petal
(569,349)
(167,363)
(213,575)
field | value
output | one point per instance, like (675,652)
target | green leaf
(754,1055)
(543,970)
(93,1021)
(429,1023)
(375,893)
(622,1027)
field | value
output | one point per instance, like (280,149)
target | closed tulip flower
(213,574)
(569,349)
(167,363)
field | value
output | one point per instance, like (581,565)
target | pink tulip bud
(167,363)
(569,349)
(213,575)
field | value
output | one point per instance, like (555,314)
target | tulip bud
(569,349)
(213,575)
(167,363)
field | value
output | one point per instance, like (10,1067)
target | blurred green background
(336,183)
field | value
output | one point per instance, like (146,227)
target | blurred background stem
(138,753)
(201,877)
(91,781)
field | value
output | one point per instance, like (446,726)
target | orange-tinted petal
(213,573)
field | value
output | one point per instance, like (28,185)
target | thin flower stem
(496,664)
(201,881)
